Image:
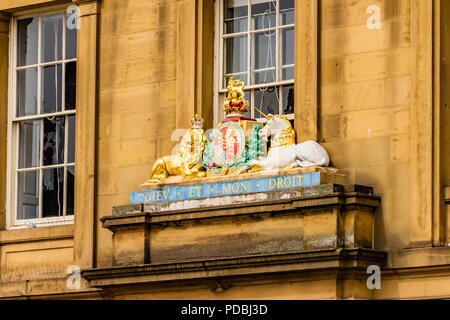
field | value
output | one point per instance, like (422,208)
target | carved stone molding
(5,17)
(342,261)
(319,217)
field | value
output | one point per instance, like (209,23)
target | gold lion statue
(235,100)
(188,161)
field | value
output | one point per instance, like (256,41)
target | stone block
(130,246)
(377,65)
(375,123)
(398,91)
(314,290)
(357,39)
(140,98)
(332,70)
(358,228)
(129,177)
(354,96)
(144,44)
(134,20)
(138,125)
(331,127)
(107,180)
(107,151)
(168,94)
(142,151)
(137,72)
(321,229)
(227,237)
(109,127)
(165,120)
(400,32)
(400,148)
(363,95)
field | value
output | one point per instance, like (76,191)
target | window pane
(264,77)
(242,77)
(53,149)
(71,140)
(288,99)
(287,11)
(70,85)
(267,101)
(287,43)
(26,92)
(235,9)
(235,54)
(264,46)
(248,97)
(71,40)
(70,190)
(263,14)
(51,35)
(51,89)
(28,195)
(287,73)
(52,192)
(27,41)
(236,25)
(29,143)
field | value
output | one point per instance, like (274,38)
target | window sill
(42,222)
(51,232)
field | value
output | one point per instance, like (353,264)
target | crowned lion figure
(187,162)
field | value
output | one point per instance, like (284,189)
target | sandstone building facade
(92,91)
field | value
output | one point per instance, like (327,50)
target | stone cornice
(337,259)
(38,234)
(277,202)
(78,2)
(88,7)
(311,225)
(5,16)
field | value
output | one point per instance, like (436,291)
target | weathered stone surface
(249,267)
(127,209)
(231,201)
(359,188)
(292,220)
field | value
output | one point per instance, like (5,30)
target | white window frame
(12,133)
(219,36)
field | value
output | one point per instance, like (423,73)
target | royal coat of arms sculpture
(238,145)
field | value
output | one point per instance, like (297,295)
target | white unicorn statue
(283,152)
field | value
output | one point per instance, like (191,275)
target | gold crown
(235,101)
(197,122)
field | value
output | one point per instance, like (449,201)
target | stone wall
(365,97)
(137,99)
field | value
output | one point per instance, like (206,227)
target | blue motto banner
(225,188)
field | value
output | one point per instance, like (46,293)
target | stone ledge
(339,259)
(298,197)
(36,234)
(320,217)
(418,257)
(274,201)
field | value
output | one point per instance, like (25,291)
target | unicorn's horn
(264,115)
